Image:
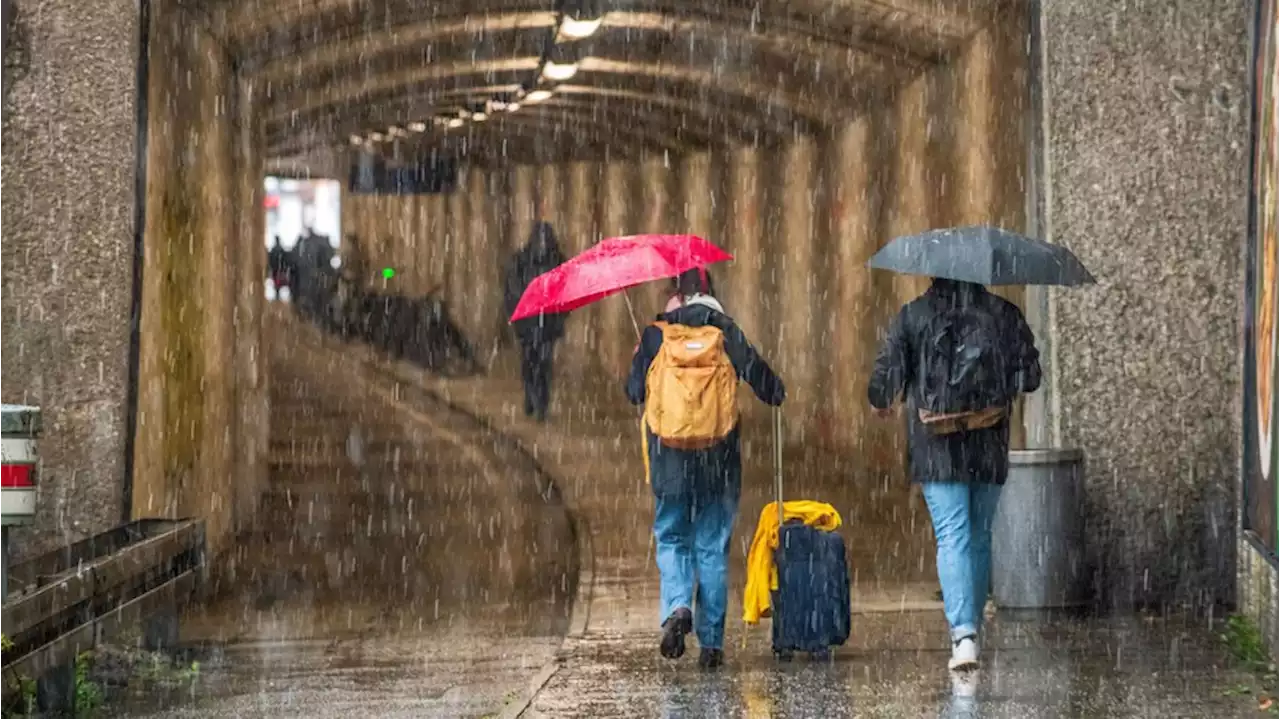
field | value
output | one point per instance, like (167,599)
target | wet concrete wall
(67,255)
(201,426)
(1146,122)
(802,218)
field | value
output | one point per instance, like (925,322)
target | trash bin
(19,433)
(1037,552)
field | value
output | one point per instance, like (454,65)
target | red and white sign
(17,463)
(17,479)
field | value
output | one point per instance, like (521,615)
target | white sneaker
(964,655)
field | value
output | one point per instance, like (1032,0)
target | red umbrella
(612,266)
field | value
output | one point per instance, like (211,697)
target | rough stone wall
(67,255)
(1145,128)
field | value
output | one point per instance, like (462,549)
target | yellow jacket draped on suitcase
(762,575)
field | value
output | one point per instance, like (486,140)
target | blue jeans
(962,514)
(692,528)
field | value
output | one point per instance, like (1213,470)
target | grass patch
(1244,641)
(88,693)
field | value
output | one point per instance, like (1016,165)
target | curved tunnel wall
(801,217)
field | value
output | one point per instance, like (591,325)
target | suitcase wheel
(783,655)
(823,655)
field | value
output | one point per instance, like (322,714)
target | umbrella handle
(631,312)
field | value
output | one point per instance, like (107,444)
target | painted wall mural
(1262,336)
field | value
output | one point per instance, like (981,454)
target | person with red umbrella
(686,372)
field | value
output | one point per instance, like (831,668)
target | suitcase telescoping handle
(777,462)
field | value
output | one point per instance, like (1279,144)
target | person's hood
(678,301)
(697,311)
(542,241)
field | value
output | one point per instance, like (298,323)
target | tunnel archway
(800,136)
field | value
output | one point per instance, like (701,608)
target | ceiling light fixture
(558,72)
(455,122)
(538,96)
(513,106)
(357,140)
(479,116)
(377,137)
(575,29)
(396,131)
(418,126)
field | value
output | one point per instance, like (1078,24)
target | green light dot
(388,273)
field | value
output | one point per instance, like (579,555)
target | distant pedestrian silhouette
(538,335)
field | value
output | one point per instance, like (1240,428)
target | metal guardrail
(66,601)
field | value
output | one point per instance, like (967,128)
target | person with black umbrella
(958,357)
(539,334)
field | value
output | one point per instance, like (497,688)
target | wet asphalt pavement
(895,666)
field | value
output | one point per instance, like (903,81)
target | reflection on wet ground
(471,671)
(895,666)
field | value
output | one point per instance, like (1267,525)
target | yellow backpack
(691,389)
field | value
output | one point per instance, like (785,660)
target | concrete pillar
(483,306)
(743,235)
(524,205)
(798,285)
(68,256)
(697,194)
(989,147)
(654,192)
(405,241)
(431,253)
(617,334)
(550,194)
(912,199)
(456,281)
(577,352)
(252,419)
(853,212)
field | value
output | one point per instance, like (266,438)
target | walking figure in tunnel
(959,356)
(686,372)
(539,334)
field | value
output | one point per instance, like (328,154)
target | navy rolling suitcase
(811,606)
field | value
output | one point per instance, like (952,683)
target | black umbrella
(985,255)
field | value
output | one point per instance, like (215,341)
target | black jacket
(748,363)
(541,254)
(975,456)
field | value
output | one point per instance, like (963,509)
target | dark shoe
(711,658)
(674,630)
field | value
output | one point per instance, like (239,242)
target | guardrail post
(160,630)
(4,562)
(56,690)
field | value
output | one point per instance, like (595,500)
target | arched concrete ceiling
(662,74)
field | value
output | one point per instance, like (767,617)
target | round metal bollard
(1037,552)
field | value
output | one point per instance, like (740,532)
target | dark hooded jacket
(673,471)
(541,254)
(974,456)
